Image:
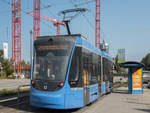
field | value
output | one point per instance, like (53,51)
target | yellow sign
(137,79)
(86,82)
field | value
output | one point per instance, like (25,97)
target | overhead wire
(84,3)
(41,3)
(47,25)
(93,15)
(75,5)
(9,19)
(25,12)
(44,6)
(88,21)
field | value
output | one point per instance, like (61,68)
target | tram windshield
(51,60)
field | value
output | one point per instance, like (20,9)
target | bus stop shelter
(135,76)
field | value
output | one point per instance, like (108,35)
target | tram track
(24,106)
(13,101)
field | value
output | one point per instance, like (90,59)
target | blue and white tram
(107,80)
(66,72)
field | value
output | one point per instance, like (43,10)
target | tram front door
(86,88)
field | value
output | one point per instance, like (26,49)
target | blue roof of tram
(80,39)
(104,54)
(85,43)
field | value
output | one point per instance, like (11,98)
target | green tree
(23,63)
(6,65)
(117,66)
(1,55)
(146,61)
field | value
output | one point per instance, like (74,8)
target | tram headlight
(61,84)
(33,82)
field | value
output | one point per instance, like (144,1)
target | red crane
(56,22)
(97,24)
(16,35)
(36,18)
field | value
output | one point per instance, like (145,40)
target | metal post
(101,75)
(30,47)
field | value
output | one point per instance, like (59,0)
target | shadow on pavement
(144,110)
(27,108)
(120,91)
(137,103)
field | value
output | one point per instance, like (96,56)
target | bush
(7,92)
(11,77)
(6,67)
(3,75)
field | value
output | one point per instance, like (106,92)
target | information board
(137,79)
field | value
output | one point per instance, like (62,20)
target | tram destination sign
(52,47)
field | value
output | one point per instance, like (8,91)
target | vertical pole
(19,5)
(30,48)
(142,79)
(7,33)
(12,5)
(97,24)
(130,80)
(101,75)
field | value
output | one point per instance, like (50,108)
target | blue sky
(124,24)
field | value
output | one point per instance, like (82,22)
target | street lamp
(30,47)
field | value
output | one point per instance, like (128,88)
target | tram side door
(86,88)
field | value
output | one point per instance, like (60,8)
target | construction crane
(56,22)
(16,35)
(36,19)
(97,24)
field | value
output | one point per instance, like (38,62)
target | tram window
(87,62)
(75,65)
(105,69)
(99,68)
(110,72)
(90,64)
(94,69)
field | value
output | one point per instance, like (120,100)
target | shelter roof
(131,64)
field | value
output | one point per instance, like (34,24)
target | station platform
(119,101)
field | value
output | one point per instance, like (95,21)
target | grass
(8,92)
(7,77)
